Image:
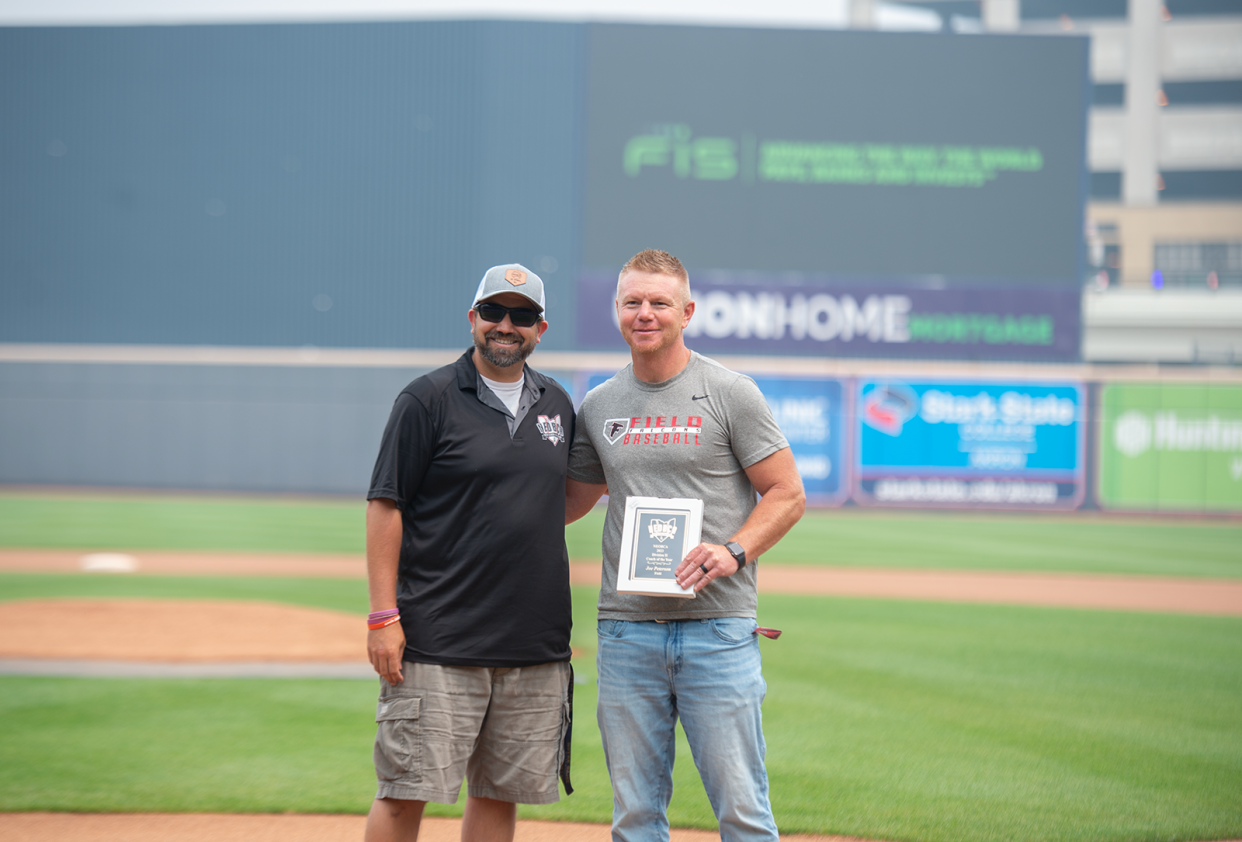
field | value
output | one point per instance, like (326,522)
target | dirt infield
(1070,590)
(1065,590)
(161,827)
(177,631)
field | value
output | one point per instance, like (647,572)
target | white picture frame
(657,534)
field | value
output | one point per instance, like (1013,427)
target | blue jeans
(708,674)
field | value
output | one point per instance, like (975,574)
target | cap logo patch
(515,276)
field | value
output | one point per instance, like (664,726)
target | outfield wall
(871,433)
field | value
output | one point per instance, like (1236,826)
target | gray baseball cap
(511,277)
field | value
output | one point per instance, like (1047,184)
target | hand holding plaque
(657,534)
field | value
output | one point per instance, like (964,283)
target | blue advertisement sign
(811,414)
(970,444)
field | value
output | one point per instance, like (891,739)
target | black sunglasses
(520,316)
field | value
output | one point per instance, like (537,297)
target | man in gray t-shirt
(676,424)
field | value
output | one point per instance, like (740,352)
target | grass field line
(1219,597)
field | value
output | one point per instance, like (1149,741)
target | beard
(503,357)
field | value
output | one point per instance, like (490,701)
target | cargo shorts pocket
(567,734)
(398,739)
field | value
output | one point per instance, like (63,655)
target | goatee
(504,357)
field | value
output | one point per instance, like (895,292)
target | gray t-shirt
(690,436)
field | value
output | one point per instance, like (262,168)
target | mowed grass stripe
(917,720)
(1032,542)
(850,538)
(183,523)
(348,595)
(888,720)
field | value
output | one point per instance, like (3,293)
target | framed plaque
(657,534)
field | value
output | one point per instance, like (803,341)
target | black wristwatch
(739,554)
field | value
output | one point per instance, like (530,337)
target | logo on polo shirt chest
(550,428)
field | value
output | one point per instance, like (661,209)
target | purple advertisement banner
(1033,324)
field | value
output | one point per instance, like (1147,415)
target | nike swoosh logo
(699,397)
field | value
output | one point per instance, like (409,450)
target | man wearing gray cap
(469,579)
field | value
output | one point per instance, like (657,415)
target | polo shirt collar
(469,378)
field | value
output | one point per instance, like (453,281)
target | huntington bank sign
(755,316)
(1175,448)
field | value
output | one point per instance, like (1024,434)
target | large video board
(928,188)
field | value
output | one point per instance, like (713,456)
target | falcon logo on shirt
(550,429)
(657,430)
(662,530)
(615,428)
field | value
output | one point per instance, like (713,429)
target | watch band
(739,554)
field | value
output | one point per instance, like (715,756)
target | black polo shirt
(484,576)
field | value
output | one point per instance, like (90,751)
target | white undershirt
(510,394)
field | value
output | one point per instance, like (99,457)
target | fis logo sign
(705,158)
(662,530)
(550,429)
(672,145)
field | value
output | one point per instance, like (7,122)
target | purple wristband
(376,616)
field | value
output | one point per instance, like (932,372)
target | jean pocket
(734,629)
(610,628)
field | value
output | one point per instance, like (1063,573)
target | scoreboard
(850,193)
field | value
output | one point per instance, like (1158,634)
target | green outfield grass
(981,541)
(336,594)
(178,522)
(847,537)
(885,720)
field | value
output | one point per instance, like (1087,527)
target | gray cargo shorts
(506,730)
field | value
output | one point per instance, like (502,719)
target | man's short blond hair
(656,262)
